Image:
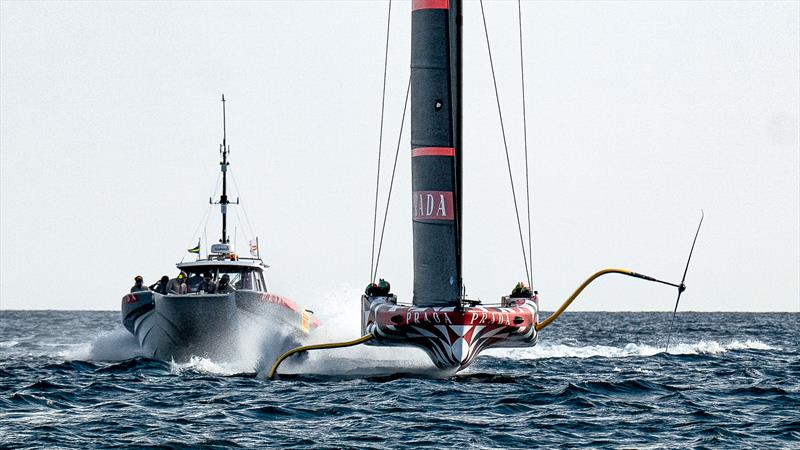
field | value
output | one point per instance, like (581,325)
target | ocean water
(596,380)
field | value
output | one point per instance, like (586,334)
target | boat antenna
(223,199)
(682,286)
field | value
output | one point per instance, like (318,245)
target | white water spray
(702,347)
(341,321)
(115,345)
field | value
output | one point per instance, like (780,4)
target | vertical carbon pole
(434,158)
(456,23)
(223,199)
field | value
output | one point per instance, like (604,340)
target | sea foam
(548,350)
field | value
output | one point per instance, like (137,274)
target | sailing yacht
(440,320)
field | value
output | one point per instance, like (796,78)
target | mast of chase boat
(223,201)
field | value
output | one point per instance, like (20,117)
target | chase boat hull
(177,327)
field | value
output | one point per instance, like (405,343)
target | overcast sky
(640,114)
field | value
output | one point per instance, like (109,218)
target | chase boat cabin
(244,273)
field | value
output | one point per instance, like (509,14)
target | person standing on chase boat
(160,286)
(137,286)
(177,285)
(224,286)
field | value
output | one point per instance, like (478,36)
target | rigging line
(241,222)
(238,193)
(203,220)
(505,144)
(525,140)
(247,219)
(380,144)
(241,206)
(205,217)
(391,183)
(235,184)
(216,185)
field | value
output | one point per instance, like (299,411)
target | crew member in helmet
(137,285)
(177,285)
(160,286)
(521,291)
(224,285)
(380,289)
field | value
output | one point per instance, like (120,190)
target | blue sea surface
(601,380)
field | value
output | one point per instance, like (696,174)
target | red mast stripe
(428,4)
(433,151)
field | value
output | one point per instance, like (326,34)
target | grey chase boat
(200,323)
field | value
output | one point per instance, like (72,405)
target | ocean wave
(720,387)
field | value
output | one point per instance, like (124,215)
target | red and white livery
(452,336)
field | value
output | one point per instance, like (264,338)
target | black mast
(223,200)
(435,151)
(456,25)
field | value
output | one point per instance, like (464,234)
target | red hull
(451,336)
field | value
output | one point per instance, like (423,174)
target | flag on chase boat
(254,247)
(195,249)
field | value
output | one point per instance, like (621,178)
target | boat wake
(199,364)
(115,345)
(703,347)
(340,312)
